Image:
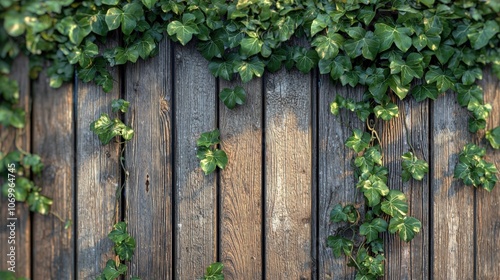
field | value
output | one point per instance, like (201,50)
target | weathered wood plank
(241,184)
(488,216)
(195,194)
(409,132)
(288,175)
(336,181)
(98,175)
(10,138)
(149,163)
(452,203)
(53,140)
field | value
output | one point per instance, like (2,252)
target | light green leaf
(249,69)
(328,46)
(395,204)
(337,214)
(480,37)
(358,141)
(413,167)
(208,139)
(387,34)
(406,226)
(493,136)
(386,112)
(363,43)
(149,3)
(250,46)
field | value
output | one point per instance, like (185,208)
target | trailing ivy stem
(357,265)
(374,133)
(408,132)
(57,216)
(17,144)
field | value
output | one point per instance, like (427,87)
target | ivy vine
(382,45)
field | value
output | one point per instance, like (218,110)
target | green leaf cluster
(124,247)
(107,128)
(413,167)
(210,157)
(474,170)
(25,189)
(214,272)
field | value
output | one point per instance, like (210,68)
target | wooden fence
(267,215)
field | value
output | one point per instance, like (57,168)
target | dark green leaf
(371,230)
(119,105)
(413,167)
(358,141)
(386,112)
(249,69)
(337,214)
(422,92)
(340,245)
(231,97)
(493,136)
(208,139)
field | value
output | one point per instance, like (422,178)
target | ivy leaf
(208,139)
(214,271)
(362,43)
(106,129)
(111,271)
(34,162)
(422,92)
(210,159)
(337,214)
(221,68)
(395,204)
(387,34)
(386,112)
(409,69)
(305,59)
(444,79)
(479,37)
(493,136)
(214,47)
(13,23)
(250,46)
(149,3)
(39,203)
(184,30)
(328,46)
(125,249)
(358,141)
(127,17)
(406,226)
(413,167)
(249,69)
(372,229)
(340,245)
(119,105)
(119,233)
(336,67)
(231,97)
(466,94)
(319,23)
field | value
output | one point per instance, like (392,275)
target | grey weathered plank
(288,175)
(149,163)
(488,216)
(98,175)
(336,181)
(53,127)
(10,138)
(195,194)
(409,132)
(452,203)
(241,184)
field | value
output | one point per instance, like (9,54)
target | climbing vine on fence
(381,45)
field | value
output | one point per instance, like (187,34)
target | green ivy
(210,157)
(214,272)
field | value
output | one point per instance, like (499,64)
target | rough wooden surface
(488,215)
(149,162)
(336,181)
(241,184)
(10,138)
(288,175)
(195,194)
(98,175)
(452,203)
(53,128)
(409,132)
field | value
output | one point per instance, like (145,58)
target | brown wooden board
(241,184)
(9,139)
(148,88)
(98,176)
(409,132)
(53,140)
(336,181)
(452,203)
(488,204)
(195,193)
(288,175)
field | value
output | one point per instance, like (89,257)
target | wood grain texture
(241,184)
(53,140)
(409,132)
(336,181)
(452,203)
(10,138)
(149,162)
(288,175)
(488,215)
(196,194)
(98,177)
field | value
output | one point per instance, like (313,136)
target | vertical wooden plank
(98,177)
(53,140)
(488,216)
(452,203)
(196,195)
(10,138)
(409,132)
(288,175)
(336,180)
(148,161)
(241,185)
